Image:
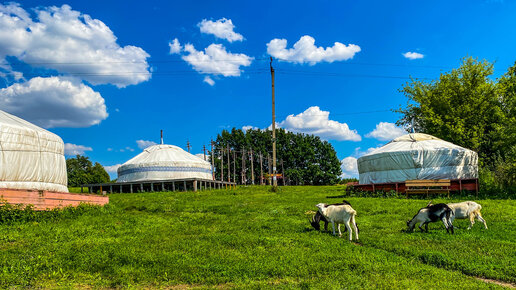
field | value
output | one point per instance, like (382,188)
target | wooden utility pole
(243,166)
(261,169)
(229,166)
(188,146)
(234,167)
(212,160)
(275,182)
(222,164)
(269,167)
(252,168)
(283,172)
(204,150)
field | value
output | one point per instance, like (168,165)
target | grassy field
(253,238)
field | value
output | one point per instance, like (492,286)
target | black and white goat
(467,209)
(432,213)
(339,214)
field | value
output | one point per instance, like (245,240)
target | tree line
(301,159)
(82,171)
(471,109)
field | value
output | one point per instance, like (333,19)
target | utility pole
(243,167)
(204,150)
(234,167)
(229,166)
(269,167)
(261,169)
(275,182)
(252,168)
(283,172)
(188,146)
(212,160)
(222,164)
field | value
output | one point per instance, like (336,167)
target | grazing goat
(467,209)
(340,214)
(318,217)
(432,213)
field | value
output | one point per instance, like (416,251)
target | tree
(462,107)
(81,171)
(468,108)
(306,158)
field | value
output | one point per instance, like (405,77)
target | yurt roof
(416,141)
(165,153)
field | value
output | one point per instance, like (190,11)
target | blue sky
(103,75)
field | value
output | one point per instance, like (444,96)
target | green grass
(253,238)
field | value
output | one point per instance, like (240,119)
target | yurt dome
(164,162)
(417,156)
(30,157)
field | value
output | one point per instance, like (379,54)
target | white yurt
(417,156)
(30,157)
(164,162)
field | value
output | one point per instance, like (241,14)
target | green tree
(81,171)
(305,159)
(468,108)
(462,107)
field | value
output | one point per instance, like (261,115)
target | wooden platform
(456,185)
(187,184)
(42,199)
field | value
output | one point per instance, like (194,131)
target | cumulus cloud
(73,149)
(201,155)
(412,55)
(175,46)
(112,168)
(142,144)
(209,80)
(222,28)
(54,102)
(305,51)
(349,167)
(386,131)
(215,60)
(70,42)
(245,128)
(315,121)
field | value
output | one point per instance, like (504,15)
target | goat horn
(429,204)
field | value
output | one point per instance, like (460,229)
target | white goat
(432,213)
(340,214)
(467,209)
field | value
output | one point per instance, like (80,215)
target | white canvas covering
(417,156)
(164,162)
(30,157)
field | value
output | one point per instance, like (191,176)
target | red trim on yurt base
(456,185)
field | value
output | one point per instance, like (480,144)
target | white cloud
(385,131)
(112,168)
(349,167)
(222,28)
(245,128)
(305,51)
(73,149)
(54,102)
(70,42)
(142,144)
(315,121)
(175,46)
(412,55)
(209,81)
(216,60)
